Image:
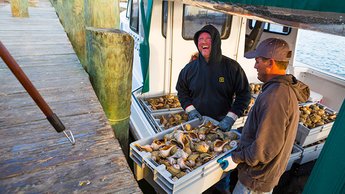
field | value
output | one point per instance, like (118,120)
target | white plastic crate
(144,102)
(197,181)
(310,153)
(157,115)
(295,156)
(306,136)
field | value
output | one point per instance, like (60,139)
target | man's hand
(226,123)
(194,114)
(227,163)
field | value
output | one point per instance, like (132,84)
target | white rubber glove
(227,163)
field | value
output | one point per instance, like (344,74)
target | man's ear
(271,63)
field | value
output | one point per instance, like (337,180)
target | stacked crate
(316,121)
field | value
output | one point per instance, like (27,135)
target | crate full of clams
(316,121)
(168,119)
(161,103)
(184,158)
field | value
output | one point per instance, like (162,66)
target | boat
(163,33)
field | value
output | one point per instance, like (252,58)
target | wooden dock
(34,157)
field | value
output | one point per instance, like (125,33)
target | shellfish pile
(164,102)
(251,103)
(187,148)
(314,115)
(255,88)
(172,120)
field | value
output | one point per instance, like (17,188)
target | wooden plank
(13,86)
(46,60)
(38,50)
(34,157)
(100,174)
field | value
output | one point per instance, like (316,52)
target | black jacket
(211,87)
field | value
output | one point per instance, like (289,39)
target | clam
(173,150)
(192,135)
(210,144)
(171,160)
(227,147)
(332,116)
(177,117)
(179,136)
(221,134)
(218,145)
(203,130)
(209,124)
(180,154)
(192,158)
(145,148)
(188,150)
(180,174)
(202,147)
(205,157)
(174,169)
(211,136)
(165,150)
(202,136)
(163,120)
(169,136)
(155,155)
(156,144)
(231,135)
(182,164)
(188,127)
(164,161)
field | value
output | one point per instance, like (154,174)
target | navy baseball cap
(271,48)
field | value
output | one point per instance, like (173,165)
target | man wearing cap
(213,85)
(269,133)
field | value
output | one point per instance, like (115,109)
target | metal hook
(71,139)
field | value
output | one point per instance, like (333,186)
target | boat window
(194,18)
(164,18)
(134,16)
(129,7)
(272,28)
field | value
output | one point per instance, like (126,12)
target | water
(322,51)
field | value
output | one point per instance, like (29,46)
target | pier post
(20,8)
(101,14)
(110,69)
(71,14)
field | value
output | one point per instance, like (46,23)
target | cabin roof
(317,15)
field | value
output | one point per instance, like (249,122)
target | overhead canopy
(318,15)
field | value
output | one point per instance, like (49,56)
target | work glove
(226,123)
(226,163)
(194,114)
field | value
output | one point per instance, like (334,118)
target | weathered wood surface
(34,158)
(110,69)
(20,8)
(102,14)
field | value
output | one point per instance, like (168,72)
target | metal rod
(33,92)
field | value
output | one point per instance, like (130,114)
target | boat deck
(34,157)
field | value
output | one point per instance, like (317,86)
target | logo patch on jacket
(221,79)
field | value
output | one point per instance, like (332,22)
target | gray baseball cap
(271,48)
